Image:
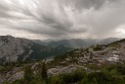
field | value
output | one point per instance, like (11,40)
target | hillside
(113,53)
(80,43)
(108,40)
(19,49)
(103,61)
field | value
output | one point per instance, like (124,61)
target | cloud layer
(62,19)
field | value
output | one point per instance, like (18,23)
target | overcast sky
(62,19)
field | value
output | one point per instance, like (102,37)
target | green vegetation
(41,52)
(97,47)
(108,74)
(28,75)
(96,74)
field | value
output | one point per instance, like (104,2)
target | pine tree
(28,75)
(44,71)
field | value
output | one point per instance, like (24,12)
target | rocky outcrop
(11,75)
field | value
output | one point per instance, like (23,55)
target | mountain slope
(81,43)
(74,43)
(100,54)
(93,60)
(108,40)
(17,49)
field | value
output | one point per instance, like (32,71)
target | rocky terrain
(98,55)
(113,53)
(18,49)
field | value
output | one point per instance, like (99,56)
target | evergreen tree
(44,71)
(28,75)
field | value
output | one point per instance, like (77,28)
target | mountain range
(102,60)
(81,43)
(19,49)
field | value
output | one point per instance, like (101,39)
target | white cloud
(60,19)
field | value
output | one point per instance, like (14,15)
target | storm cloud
(62,19)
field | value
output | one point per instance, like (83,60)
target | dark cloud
(57,19)
(82,5)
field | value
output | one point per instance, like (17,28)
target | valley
(85,61)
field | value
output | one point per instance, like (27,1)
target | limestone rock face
(11,48)
(19,49)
